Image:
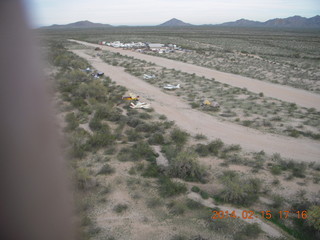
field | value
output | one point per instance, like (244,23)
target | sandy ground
(196,122)
(285,93)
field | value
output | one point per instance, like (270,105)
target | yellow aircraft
(131,97)
(207,103)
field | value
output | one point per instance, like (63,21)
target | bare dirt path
(285,93)
(195,121)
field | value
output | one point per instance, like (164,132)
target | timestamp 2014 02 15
(246,214)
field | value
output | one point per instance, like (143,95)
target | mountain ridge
(290,22)
(294,22)
(79,24)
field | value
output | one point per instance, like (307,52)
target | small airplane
(207,103)
(131,97)
(98,74)
(171,87)
(146,76)
(140,105)
(87,70)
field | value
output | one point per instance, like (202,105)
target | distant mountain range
(174,23)
(290,22)
(80,24)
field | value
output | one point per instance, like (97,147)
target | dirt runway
(195,121)
(282,92)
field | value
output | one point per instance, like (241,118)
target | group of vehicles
(94,74)
(135,102)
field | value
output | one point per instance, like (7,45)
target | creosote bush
(106,169)
(250,231)
(119,208)
(186,166)
(238,190)
(176,207)
(179,137)
(168,188)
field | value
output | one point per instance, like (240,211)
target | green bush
(195,105)
(124,155)
(220,225)
(83,178)
(202,150)
(151,171)
(168,188)
(79,141)
(110,150)
(142,150)
(133,135)
(162,117)
(72,122)
(277,201)
(96,125)
(154,202)
(247,123)
(138,151)
(232,147)
(101,139)
(119,208)
(215,146)
(314,217)
(145,115)
(204,194)
(193,205)
(187,167)
(156,139)
(195,189)
(176,208)
(179,237)
(200,136)
(276,170)
(169,151)
(133,122)
(250,231)
(239,191)
(106,169)
(179,137)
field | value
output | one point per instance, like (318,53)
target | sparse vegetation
(113,145)
(119,208)
(239,191)
(168,188)
(185,166)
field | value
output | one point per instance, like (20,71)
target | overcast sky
(153,12)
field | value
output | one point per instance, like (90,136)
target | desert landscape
(179,168)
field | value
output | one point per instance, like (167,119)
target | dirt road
(285,93)
(195,121)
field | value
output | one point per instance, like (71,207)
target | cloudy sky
(152,12)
